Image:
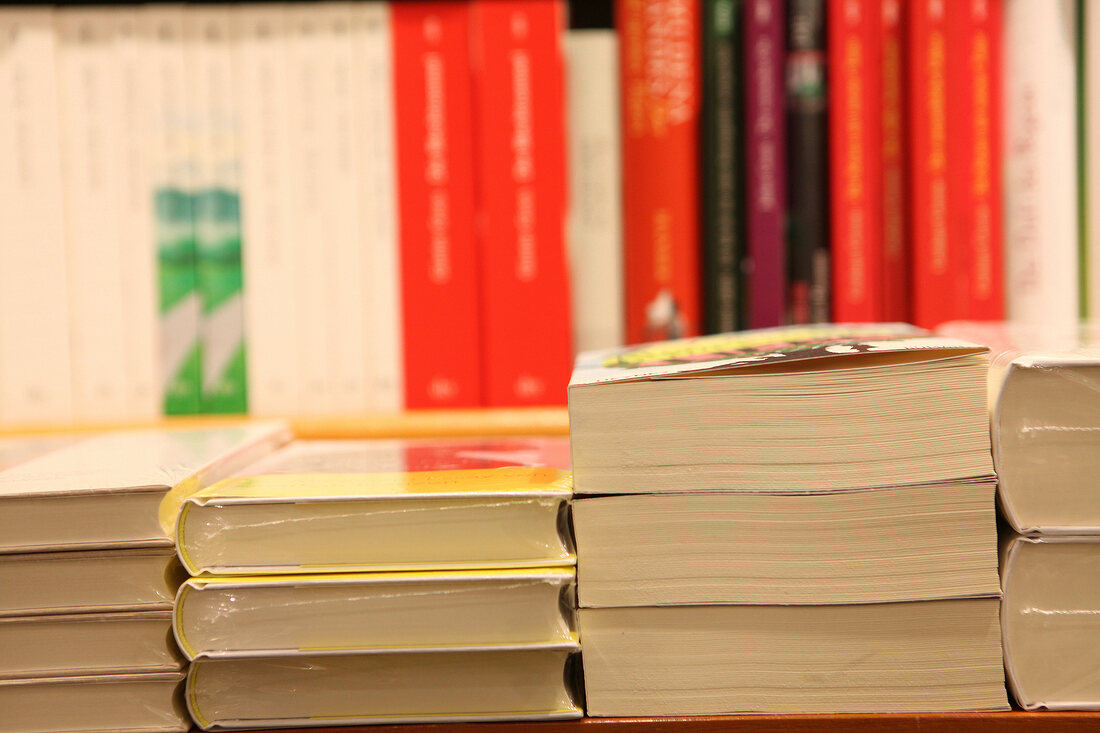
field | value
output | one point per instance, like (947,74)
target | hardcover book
(267,616)
(333,505)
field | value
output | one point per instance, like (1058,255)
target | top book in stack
(786,410)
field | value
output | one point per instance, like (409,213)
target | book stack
(1045,424)
(795,520)
(87,577)
(455,553)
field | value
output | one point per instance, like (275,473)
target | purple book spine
(765,163)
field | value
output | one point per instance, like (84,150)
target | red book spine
(932,279)
(660,58)
(519,111)
(855,117)
(981,203)
(895,257)
(432,101)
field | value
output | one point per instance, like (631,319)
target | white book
(1091,159)
(309,230)
(35,371)
(372,97)
(595,188)
(139,265)
(339,183)
(89,94)
(1041,228)
(270,267)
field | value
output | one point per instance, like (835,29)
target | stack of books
(87,577)
(791,520)
(356,581)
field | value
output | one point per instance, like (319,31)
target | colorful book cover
(856,117)
(435,161)
(660,66)
(807,160)
(766,162)
(722,151)
(519,116)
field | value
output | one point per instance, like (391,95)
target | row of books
(281,209)
(859,161)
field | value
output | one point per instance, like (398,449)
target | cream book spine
(35,371)
(1091,157)
(270,267)
(372,97)
(139,271)
(1041,224)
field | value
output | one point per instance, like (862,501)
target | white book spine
(339,191)
(1092,156)
(1041,229)
(309,231)
(270,265)
(595,188)
(90,113)
(35,368)
(376,141)
(139,269)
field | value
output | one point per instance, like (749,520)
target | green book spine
(179,300)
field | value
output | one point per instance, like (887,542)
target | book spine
(855,117)
(896,302)
(723,235)
(519,113)
(217,213)
(659,63)
(439,279)
(90,103)
(1090,102)
(372,100)
(766,163)
(934,295)
(979,213)
(180,304)
(1040,154)
(807,134)
(268,259)
(595,188)
(139,271)
(35,371)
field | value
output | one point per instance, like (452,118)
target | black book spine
(808,156)
(721,166)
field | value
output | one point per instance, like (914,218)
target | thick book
(88,643)
(721,157)
(857,168)
(36,379)
(135,703)
(265,616)
(1049,621)
(791,409)
(91,581)
(659,62)
(808,280)
(106,491)
(1040,156)
(519,124)
(882,545)
(765,163)
(323,506)
(435,185)
(349,689)
(934,656)
(595,183)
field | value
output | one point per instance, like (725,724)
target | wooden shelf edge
(1010,722)
(520,421)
